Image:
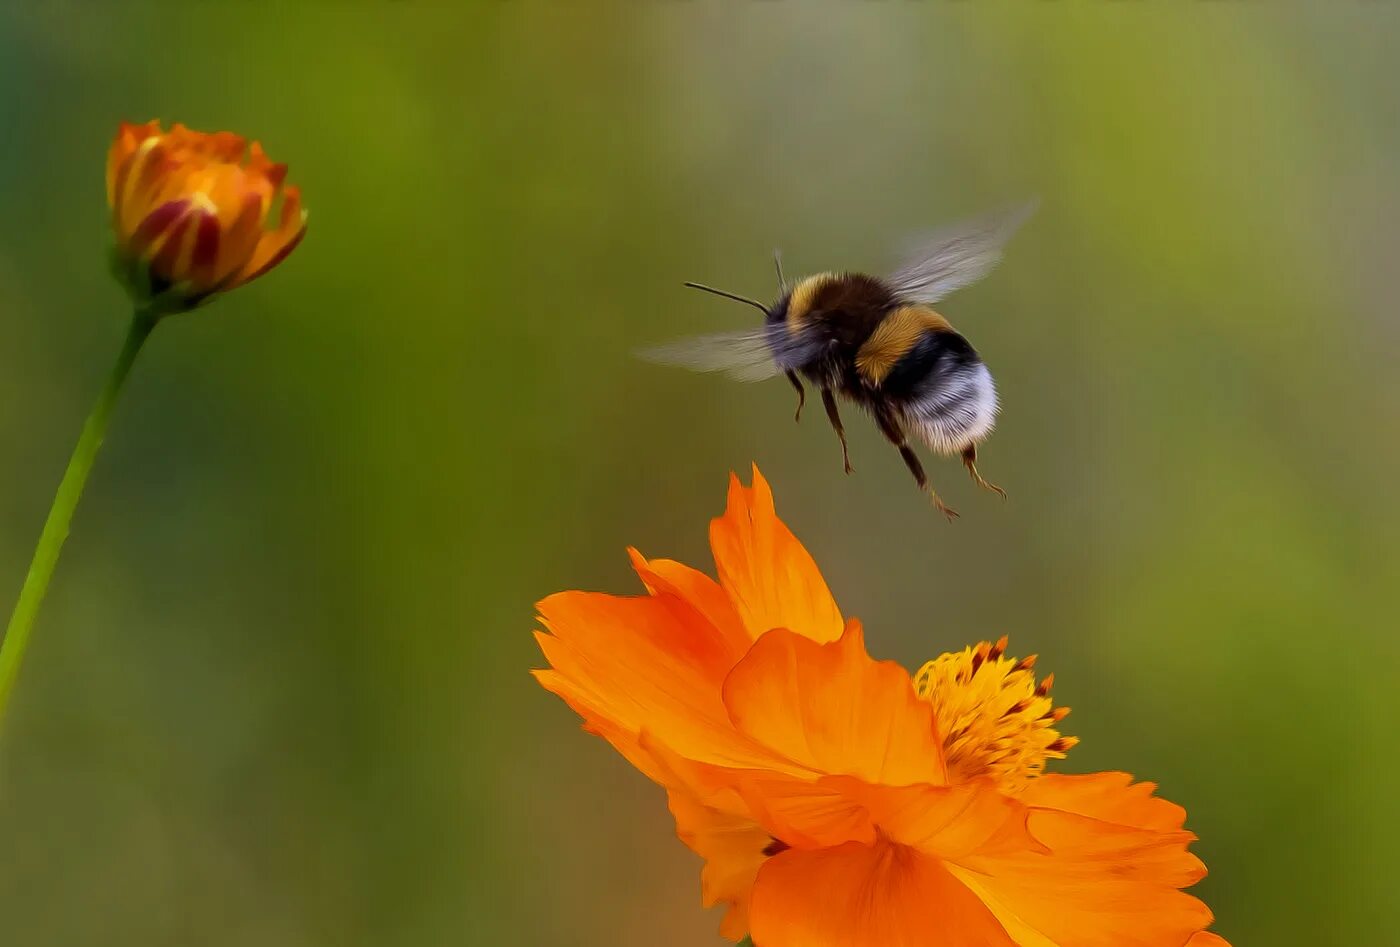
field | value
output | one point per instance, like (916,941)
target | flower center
(995,719)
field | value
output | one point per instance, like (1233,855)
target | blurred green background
(278,694)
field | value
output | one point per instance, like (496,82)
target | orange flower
(189,212)
(837,801)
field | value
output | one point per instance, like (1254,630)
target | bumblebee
(877,342)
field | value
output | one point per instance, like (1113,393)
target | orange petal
(805,813)
(733,849)
(701,591)
(950,822)
(625,741)
(128,138)
(157,225)
(241,238)
(276,246)
(173,247)
(646,662)
(260,167)
(226,146)
(769,576)
(833,708)
(226,186)
(1111,797)
(1145,855)
(204,249)
(271,252)
(945,821)
(1100,885)
(855,895)
(137,185)
(785,798)
(190,248)
(1207,939)
(121,148)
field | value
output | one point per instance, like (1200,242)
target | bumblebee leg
(834,414)
(889,426)
(969,459)
(801,394)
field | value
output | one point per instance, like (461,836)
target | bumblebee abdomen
(944,391)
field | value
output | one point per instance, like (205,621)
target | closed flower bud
(195,214)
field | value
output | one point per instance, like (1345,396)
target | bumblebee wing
(746,355)
(958,256)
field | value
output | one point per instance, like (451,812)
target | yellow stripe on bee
(896,334)
(800,302)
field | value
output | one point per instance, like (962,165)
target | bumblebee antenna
(738,299)
(778,265)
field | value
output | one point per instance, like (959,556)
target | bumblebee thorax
(807,289)
(837,295)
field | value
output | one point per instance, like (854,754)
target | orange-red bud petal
(188,213)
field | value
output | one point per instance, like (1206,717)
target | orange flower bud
(192,214)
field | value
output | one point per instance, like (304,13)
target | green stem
(70,490)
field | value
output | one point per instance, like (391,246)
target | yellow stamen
(994,718)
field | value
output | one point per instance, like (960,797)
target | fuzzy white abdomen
(954,409)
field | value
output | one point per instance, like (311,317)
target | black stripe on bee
(936,355)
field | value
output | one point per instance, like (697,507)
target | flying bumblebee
(879,343)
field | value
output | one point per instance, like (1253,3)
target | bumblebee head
(778,311)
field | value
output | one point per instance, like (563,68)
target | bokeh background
(279,692)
